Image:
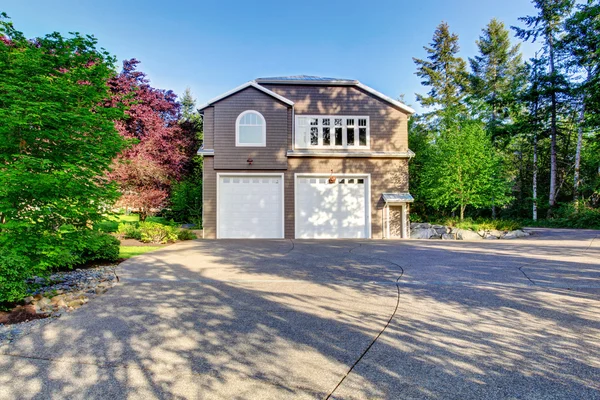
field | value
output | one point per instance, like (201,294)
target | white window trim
(332,126)
(237,130)
(367,178)
(244,174)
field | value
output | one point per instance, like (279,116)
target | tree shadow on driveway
(276,319)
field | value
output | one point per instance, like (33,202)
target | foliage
(132,251)
(129,231)
(464,170)
(100,247)
(497,78)
(58,141)
(164,148)
(186,234)
(444,72)
(569,215)
(480,224)
(186,201)
(153,232)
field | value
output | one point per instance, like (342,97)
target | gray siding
(277,116)
(388,125)
(209,129)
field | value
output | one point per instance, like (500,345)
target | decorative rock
(491,237)
(495,232)
(422,233)
(449,236)
(28,299)
(463,234)
(515,234)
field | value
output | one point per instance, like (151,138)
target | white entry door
(250,206)
(332,210)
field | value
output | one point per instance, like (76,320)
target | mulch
(20,314)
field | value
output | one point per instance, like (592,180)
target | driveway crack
(364,353)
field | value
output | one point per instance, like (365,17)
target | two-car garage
(253,206)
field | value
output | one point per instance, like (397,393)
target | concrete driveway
(289,319)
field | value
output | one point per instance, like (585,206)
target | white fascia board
(382,96)
(244,86)
(206,152)
(345,154)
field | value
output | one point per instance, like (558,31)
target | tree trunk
(535,171)
(462,211)
(553,133)
(578,151)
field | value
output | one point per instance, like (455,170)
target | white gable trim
(244,86)
(382,96)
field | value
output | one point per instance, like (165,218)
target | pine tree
(547,25)
(444,72)
(497,76)
(581,43)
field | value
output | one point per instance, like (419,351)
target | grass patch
(480,224)
(132,251)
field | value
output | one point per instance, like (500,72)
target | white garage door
(331,210)
(250,206)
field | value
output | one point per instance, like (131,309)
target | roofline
(356,83)
(242,87)
(337,82)
(382,96)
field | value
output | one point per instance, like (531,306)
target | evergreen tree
(444,72)
(547,25)
(497,77)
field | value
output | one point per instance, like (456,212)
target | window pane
(350,136)
(314,121)
(326,137)
(360,181)
(338,136)
(338,122)
(250,134)
(362,122)
(314,136)
(362,136)
(326,121)
(350,122)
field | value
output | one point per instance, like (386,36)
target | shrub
(101,247)
(481,224)
(129,231)
(107,226)
(186,201)
(186,234)
(25,253)
(153,232)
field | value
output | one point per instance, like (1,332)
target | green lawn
(132,251)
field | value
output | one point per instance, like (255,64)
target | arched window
(250,129)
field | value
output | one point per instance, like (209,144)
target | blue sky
(214,46)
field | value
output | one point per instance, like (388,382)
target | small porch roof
(397,198)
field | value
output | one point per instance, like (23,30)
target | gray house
(305,157)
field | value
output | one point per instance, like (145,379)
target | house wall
(388,125)
(388,130)
(278,119)
(387,175)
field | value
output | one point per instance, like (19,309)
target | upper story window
(250,129)
(332,131)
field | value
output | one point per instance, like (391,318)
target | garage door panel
(326,210)
(250,207)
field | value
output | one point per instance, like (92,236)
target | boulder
(449,236)
(515,234)
(496,233)
(464,234)
(422,233)
(491,237)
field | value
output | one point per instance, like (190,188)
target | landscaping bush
(129,231)
(570,216)
(101,247)
(107,226)
(186,201)
(25,254)
(186,234)
(480,224)
(153,232)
